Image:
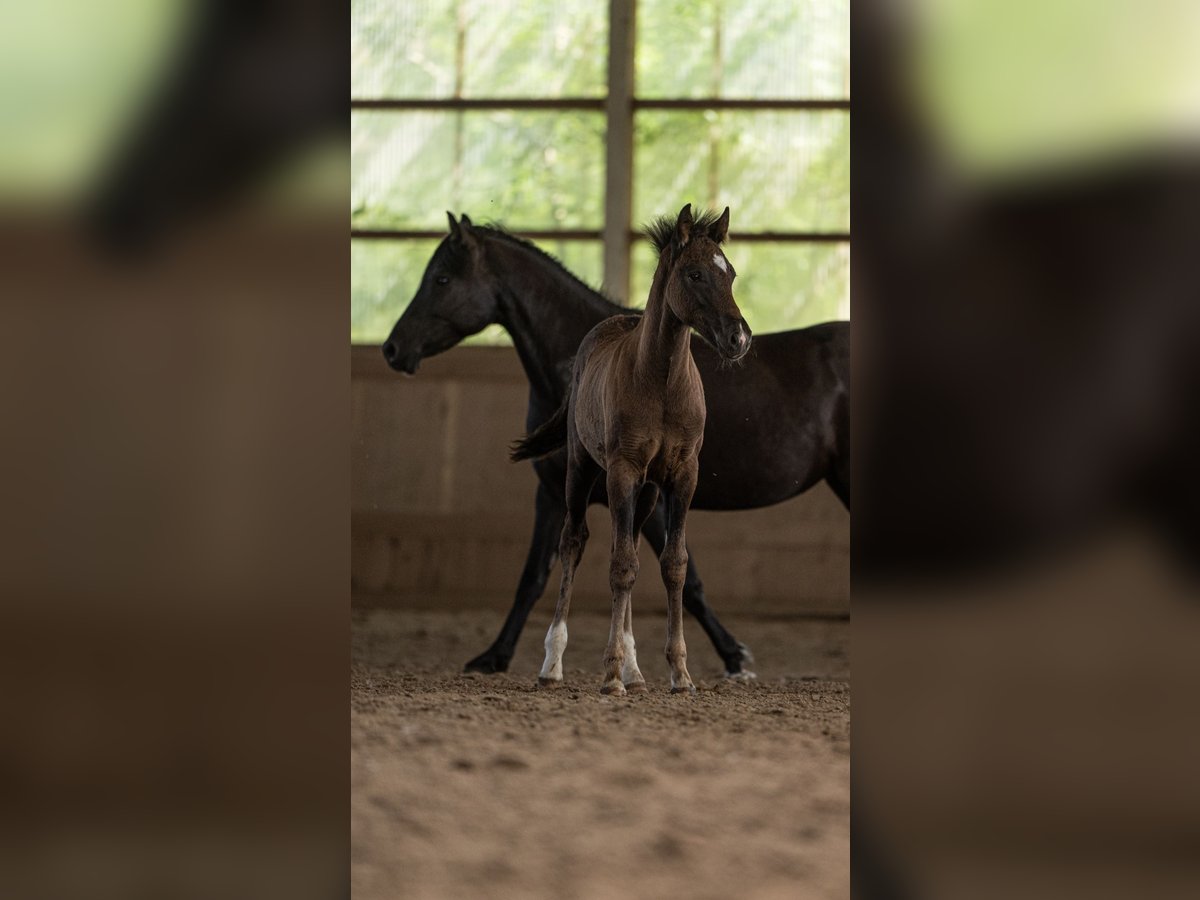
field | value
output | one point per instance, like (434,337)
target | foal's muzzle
(735,342)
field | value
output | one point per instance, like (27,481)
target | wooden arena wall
(441,519)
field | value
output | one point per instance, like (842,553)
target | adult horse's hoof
(743,675)
(487,664)
(684,689)
(636,687)
(613,689)
(737,664)
(549,682)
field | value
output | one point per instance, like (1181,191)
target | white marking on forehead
(719,261)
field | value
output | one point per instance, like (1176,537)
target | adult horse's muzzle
(401,361)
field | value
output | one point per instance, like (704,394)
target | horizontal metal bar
(733,103)
(812,237)
(372,234)
(460,103)
(593,103)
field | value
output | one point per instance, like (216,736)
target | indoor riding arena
(506,156)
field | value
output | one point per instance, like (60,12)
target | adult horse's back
(771,436)
(777,424)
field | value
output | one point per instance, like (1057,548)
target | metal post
(618,180)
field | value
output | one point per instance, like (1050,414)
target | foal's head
(699,278)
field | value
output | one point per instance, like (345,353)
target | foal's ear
(683,227)
(453,224)
(719,230)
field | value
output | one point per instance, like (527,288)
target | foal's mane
(498,231)
(661,230)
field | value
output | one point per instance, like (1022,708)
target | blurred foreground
(173,559)
(1027,202)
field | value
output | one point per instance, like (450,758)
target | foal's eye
(694,274)
(443,279)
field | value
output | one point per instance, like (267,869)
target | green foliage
(777,171)
(537,170)
(519,48)
(768,48)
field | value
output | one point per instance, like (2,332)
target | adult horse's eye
(443,279)
(694,274)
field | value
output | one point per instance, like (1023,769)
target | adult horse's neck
(664,340)
(545,309)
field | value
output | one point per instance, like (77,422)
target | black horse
(777,424)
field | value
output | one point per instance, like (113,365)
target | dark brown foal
(636,412)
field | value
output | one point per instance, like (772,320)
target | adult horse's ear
(461,230)
(719,230)
(683,227)
(466,232)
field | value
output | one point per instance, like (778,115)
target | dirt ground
(484,786)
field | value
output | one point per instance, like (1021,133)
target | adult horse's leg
(733,652)
(841,486)
(624,490)
(549,513)
(839,471)
(631,675)
(582,473)
(673,563)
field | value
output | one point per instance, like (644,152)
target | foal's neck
(664,340)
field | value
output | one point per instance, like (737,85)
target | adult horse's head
(454,301)
(699,288)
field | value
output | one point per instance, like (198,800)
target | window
(508,111)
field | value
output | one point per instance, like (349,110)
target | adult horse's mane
(661,230)
(496,230)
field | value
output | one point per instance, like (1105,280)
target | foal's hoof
(684,689)
(549,682)
(614,689)
(636,687)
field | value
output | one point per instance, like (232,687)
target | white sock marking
(629,668)
(556,642)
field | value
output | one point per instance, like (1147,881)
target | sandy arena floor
(483,786)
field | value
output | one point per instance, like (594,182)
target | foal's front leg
(673,562)
(624,487)
(582,473)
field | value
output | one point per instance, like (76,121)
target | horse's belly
(755,470)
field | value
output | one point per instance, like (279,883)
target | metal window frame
(619,106)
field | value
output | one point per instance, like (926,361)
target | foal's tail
(544,440)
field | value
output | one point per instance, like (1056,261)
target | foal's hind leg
(674,562)
(582,473)
(733,652)
(631,675)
